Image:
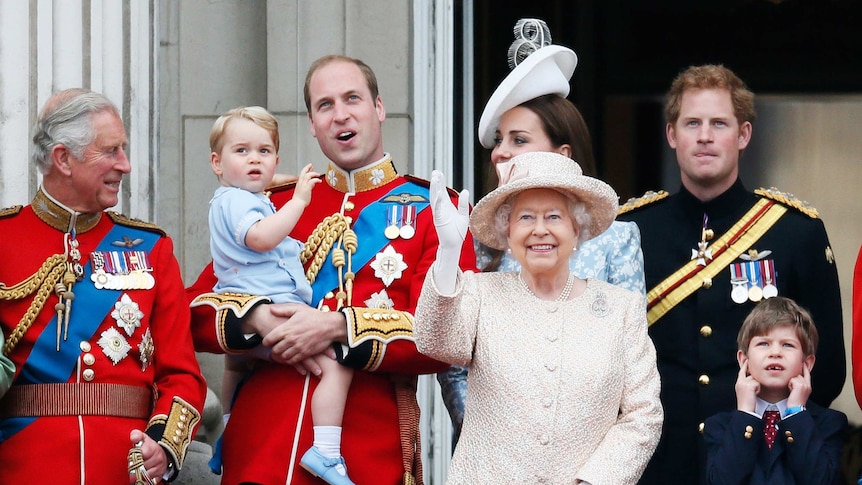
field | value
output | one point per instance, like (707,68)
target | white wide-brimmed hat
(545,71)
(544,170)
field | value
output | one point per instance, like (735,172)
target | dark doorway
(629,51)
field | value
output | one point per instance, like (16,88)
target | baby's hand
(306,181)
(800,387)
(746,388)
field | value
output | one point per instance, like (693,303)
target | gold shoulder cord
(332,231)
(42,282)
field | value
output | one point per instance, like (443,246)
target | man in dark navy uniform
(711,252)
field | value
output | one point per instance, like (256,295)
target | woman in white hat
(562,375)
(529,112)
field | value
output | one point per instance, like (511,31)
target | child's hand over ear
(746,388)
(800,387)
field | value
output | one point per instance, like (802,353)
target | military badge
(703,252)
(380,300)
(146,349)
(114,345)
(388,265)
(128,314)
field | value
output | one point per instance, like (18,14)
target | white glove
(451,224)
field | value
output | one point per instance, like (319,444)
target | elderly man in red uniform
(107,388)
(370,241)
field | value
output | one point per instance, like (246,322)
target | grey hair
(577,210)
(66,119)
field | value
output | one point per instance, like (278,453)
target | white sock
(327,439)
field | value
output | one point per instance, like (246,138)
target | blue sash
(45,364)
(369,232)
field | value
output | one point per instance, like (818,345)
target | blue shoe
(331,470)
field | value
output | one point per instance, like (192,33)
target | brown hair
(777,312)
(370,78)
(564,125)
(257,115)
(710,76)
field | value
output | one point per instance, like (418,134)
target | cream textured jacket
(559,391)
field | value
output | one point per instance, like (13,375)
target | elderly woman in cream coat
(562,375)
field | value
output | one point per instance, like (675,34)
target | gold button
(706,331)
(700,427)
(703,379)
(788,433)
(747,435)
(89,359)
(749,429)
(89,374)
(85,346)
(348,206)
(707,283)
(790,439)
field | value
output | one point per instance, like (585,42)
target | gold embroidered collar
(50,211)
(360,180)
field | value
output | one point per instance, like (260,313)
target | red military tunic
(257,443)
(856,348)
(133,367)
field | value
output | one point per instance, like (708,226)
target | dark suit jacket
(807,450)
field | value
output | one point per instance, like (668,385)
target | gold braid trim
(42,280)
(638,202)
(180,426)
(321,241)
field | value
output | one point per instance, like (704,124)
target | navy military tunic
(696,340)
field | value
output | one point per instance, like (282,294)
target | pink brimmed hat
(544,170)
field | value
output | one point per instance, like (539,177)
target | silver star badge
(128,314)
(114,345)
(380,300)
(388,265)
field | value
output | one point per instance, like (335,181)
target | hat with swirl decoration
(538,68)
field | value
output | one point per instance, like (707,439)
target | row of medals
(747,288)
(400,222)
(129,275)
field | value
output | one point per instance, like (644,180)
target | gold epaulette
(10,211)
(789,200)
(124,220)
(638,202)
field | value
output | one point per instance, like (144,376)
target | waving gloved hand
(451,224)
